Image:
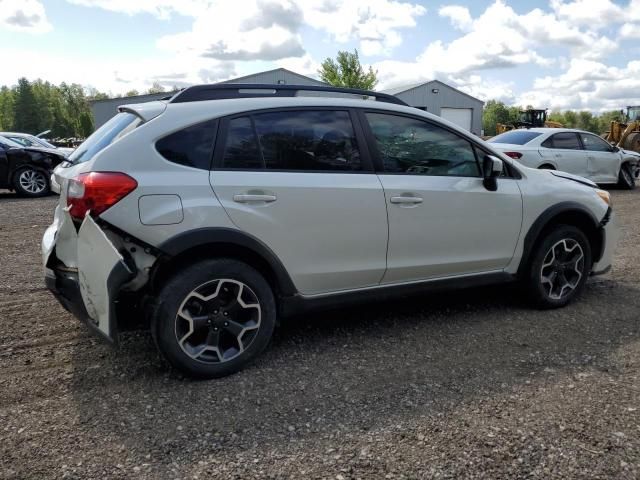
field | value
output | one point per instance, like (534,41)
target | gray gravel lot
(470,384)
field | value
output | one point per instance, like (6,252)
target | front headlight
(605,196)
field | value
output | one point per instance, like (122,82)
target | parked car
(573,151)
(28,140)
(214,214)
(27,169)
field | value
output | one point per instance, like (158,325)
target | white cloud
(163,9)
(587,85)
(24,16)
(242,30)
(459,16)
(594,14)
(375,24)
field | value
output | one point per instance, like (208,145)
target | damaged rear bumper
(85,274)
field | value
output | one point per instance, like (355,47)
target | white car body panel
(446,233)
(328,229)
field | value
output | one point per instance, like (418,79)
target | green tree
(497,112)
(130,93)
(6,108)
(346,71)
(25,108)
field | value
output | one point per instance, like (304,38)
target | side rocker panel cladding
(210,236)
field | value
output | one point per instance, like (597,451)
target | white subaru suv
(208,216)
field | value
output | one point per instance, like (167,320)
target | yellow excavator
(529,118)
(625,134)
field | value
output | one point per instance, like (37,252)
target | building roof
(406,88)
(283,70)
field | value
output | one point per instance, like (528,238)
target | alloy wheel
(218,320)
(562,268)
(32,181)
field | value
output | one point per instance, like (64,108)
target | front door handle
(406,200)
(252,197)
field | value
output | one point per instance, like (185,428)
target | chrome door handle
(250,197)
(406,200)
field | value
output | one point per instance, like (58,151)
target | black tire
(31,182)
(550,295)
(546,166)
(625,177)
(177,337)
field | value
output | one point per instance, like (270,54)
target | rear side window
(191,146)
(563,140)
(515,137)
(308,140)
(107,134)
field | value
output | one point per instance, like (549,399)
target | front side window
(412,146)
(564,141)
(191,146)
(594,143)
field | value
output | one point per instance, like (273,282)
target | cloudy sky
(581,54)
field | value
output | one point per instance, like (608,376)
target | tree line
(65,109)
(497,112)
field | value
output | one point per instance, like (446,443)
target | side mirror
(615,149)
(491,170)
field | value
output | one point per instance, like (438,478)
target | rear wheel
(626,178)
(31,182)
(214,318)
(559,267)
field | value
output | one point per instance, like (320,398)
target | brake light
(516,155)
(95,192)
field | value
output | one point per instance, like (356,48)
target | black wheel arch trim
(220,235)
(543,220)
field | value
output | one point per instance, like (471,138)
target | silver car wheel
(562,268)
(218,320)
(32,181)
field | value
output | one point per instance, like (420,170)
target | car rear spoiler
(146,111)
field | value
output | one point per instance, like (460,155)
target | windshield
(515,137)
(8,143)
(107,134)
(41,142)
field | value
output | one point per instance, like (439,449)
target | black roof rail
(222,91)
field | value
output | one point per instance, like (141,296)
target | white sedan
(573,151)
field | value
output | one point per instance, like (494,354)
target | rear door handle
(251,197)
(406,200)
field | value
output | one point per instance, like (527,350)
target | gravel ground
(471,384)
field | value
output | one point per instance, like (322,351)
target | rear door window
(321,140)
(191,146)
(564,141)
(305,140)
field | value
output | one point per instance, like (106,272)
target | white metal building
(441,99)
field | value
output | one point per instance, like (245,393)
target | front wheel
(30,182)
(214,317)
(559,267)
(626,178)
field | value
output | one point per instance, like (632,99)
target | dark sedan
(27,170)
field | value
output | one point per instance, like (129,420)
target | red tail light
(97,191)
(516,155)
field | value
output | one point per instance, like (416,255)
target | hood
(52,151)
(575,178)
